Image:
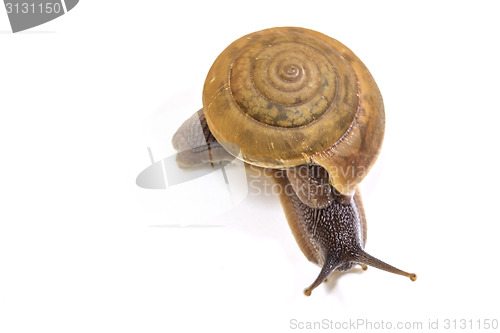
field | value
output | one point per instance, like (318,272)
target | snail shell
(285,97)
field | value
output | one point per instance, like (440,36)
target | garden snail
(301,103)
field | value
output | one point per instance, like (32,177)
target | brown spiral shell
(284,97)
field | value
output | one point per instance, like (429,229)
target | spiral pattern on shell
(289,80)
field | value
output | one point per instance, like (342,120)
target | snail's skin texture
(330,228)
(332,237)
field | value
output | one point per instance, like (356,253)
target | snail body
(301,103)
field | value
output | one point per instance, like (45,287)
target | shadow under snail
(301,103)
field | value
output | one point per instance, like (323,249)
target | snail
(302,104)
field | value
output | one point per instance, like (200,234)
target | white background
(83,249)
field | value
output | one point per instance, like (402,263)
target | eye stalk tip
(307,292)
(413,276)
